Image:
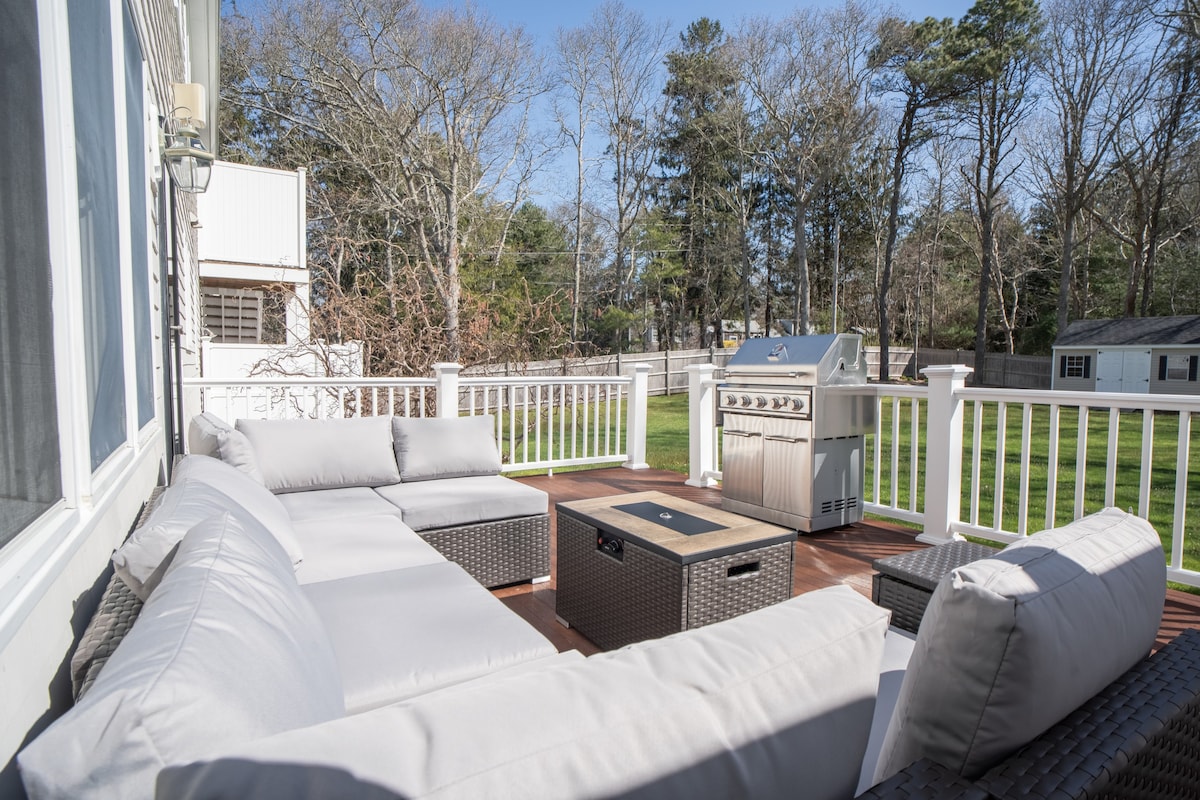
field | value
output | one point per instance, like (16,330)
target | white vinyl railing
(1000,464)
(541,423)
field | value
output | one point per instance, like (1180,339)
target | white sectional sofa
(278,657)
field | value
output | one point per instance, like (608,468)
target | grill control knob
(778,402)
(797,404)
(746,400)
(760,402)
(730,400)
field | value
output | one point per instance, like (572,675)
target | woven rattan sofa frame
(1138,739)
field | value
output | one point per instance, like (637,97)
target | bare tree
(809,78)
(1092,89)
(630,50)
(429,108)
(577,66)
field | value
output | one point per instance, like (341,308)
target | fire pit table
(639,566)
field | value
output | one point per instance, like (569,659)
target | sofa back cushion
(228,649)
(455,447)
(202,487)
(209,435)
(1011,644)
(304,454)
(774,703)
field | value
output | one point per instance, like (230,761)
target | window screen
(30,473)
(94,104)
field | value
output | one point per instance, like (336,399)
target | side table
(905,582)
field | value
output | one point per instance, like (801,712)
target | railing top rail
(1154,402)
(543,380)
(329,382)
(885,389)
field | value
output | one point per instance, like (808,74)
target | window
(94,109)
(30,464)
(1177,368)
(139,225)
(1076,367)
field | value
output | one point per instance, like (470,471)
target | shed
(1148,355)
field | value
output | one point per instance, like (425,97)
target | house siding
(55,568)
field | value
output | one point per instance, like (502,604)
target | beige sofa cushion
(451,502)
(303,454)
(1011,644)
(458,447)
(226,650)
(202,488)
(775,703)
(209,435)
(402,633)
(343,548)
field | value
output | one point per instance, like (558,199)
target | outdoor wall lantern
(190,164)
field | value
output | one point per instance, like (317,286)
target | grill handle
(730,375)
(788,439)
(747,434)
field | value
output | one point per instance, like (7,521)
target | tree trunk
(803,292)
(903,138)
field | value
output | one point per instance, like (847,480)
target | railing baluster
(1182,462)
(877,461)
(976,459)
(1023,486)
(1147,466)
(1052,468)
(894,499)
(913,454)
(1081,447)
(1001,441)
(1110,464)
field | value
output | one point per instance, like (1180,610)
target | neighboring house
(98,280)
(1154,355)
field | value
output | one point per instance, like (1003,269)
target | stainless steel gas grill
(792,445)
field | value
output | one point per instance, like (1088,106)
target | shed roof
(1131,331)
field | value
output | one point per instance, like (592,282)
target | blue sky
(542,18)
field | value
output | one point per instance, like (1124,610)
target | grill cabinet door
(742,459)
(787,446)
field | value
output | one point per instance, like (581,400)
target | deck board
(829,558)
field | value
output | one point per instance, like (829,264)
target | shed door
(1136,376)
(1123,371)
(1110,366)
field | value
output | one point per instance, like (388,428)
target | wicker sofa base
(497,553)
(1138,738)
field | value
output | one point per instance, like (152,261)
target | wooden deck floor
(829,558)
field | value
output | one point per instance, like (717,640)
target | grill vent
(842,504)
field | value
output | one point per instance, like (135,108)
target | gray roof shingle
(1131,331)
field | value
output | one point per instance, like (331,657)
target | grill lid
(816,360)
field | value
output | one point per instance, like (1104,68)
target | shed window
(1180,368)
(1075,366)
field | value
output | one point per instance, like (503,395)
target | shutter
(1062,366)
(1087,366)
(1192,363)
(1162,368)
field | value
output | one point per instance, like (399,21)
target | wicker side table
(904,583)
(654,583)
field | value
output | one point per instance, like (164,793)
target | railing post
(635,416)
(943,452)
(446,374)
(702,424)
